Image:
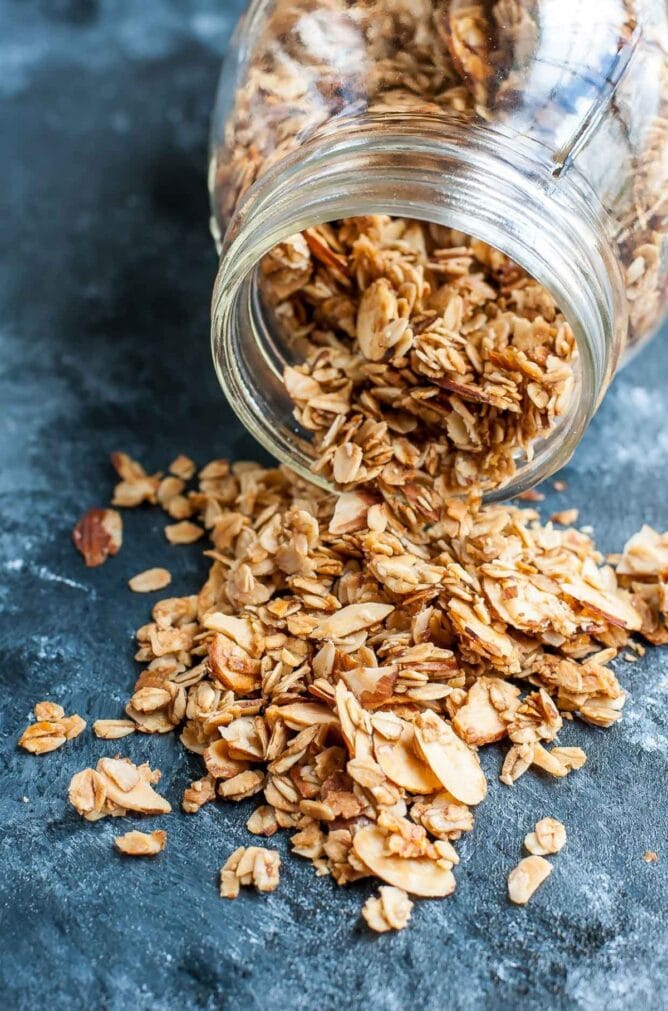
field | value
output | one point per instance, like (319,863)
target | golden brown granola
(115,787)
(428,362)
(459,63)
(524,879)
(390,911)
(250,865)
(51,729)
(141,844)
(345,666)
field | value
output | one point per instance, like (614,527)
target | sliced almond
(524,879)
(453,763)
(415,875)
(401,764)
(150,580)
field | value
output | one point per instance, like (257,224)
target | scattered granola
(115,787)
(524,879)
(390,911)
(51,730)
(250,865)
(98,535)
(345,659)
(548,836)
(141,844)
(150,580)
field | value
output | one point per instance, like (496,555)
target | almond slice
(353,618)
(150,580)
(453,763)
(401,764)
(415,875)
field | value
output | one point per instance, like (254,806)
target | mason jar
(537,126)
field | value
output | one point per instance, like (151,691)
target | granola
(458,65)
(344,663)
(98,535)
(150,580)
(428,362)
(141,844)
(524,879)
(51,729)
(390,911)
(115,787)
(250,865)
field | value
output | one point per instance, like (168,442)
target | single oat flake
(150,580)
(524,879)
(141,844)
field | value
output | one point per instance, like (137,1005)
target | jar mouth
(430,169)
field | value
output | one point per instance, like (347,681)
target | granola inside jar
(443,225)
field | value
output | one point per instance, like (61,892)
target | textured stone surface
(106,270)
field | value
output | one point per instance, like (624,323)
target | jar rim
(475,179)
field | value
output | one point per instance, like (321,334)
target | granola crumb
(141,844)
(548,836)
(250,865)
(391,910)
(51,729)
(150,580)
(560,486)
(650,857)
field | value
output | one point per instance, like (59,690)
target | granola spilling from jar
(345,667)
(426,362)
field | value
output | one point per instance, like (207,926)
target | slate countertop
(105,277)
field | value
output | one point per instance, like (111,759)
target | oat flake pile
(345,668)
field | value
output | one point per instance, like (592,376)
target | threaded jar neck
(472,179)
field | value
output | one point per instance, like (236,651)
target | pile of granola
(344,667)
(431,362)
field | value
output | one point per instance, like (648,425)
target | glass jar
(537,126)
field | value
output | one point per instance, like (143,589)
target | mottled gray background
(105,275)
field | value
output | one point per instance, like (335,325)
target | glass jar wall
(538,126)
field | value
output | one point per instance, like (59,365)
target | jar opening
(416,175)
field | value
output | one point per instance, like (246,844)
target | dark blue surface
(105,276)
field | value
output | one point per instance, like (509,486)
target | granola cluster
(316,63)
(344,667)
(428,361)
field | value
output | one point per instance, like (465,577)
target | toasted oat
(565,518)
(548,836)
(150,580)
(183,467)
(184,532)
(252,865)
(51,730)
(110,730)
(524,879)
(98,535)
(650,857)
(141,844)
(390,911)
